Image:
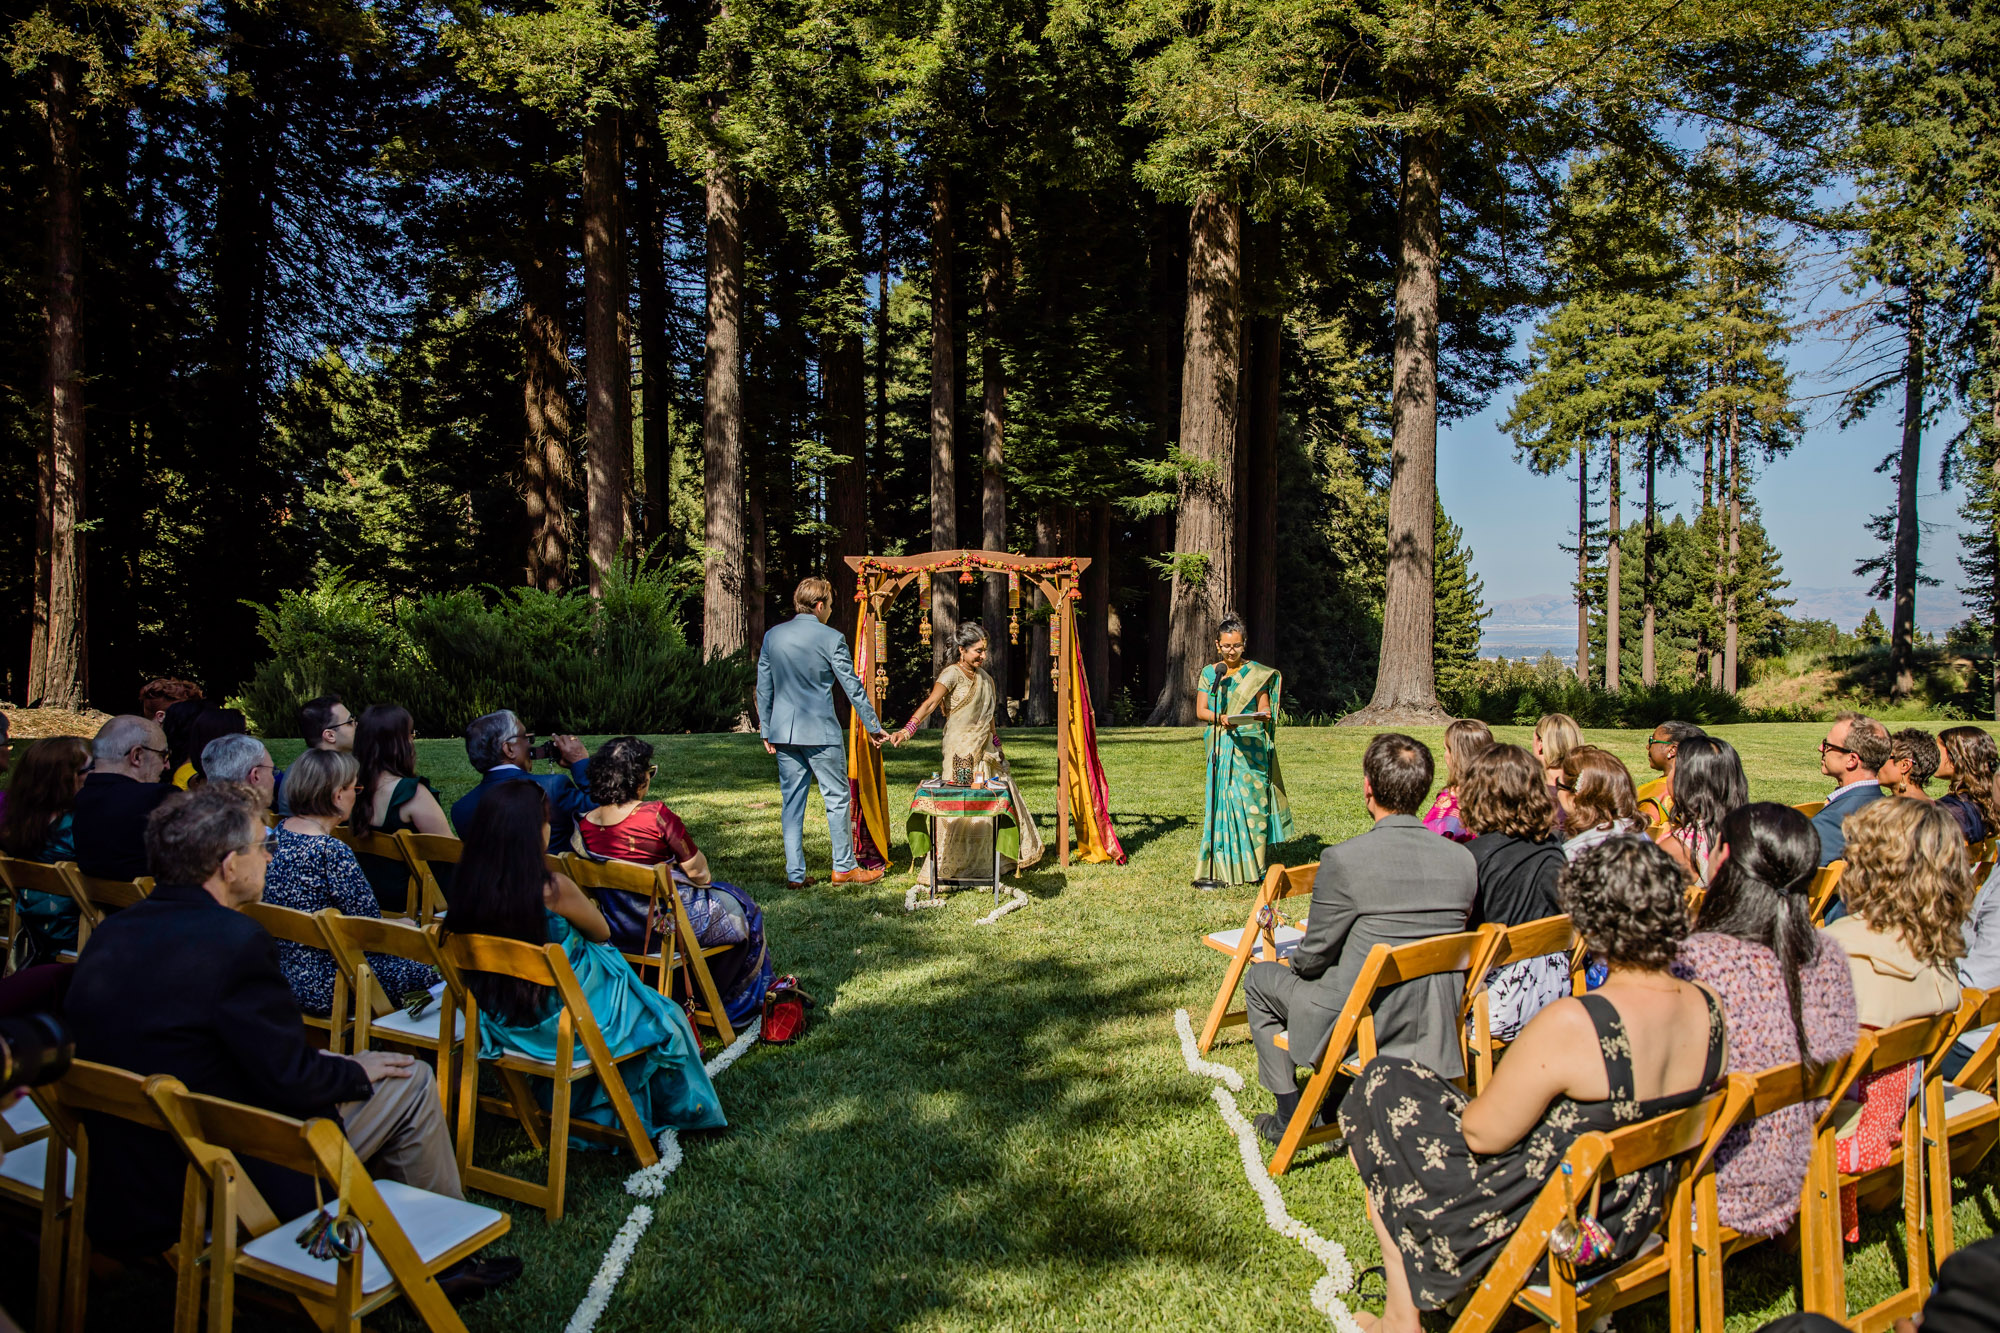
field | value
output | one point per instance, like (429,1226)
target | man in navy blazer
(1855,747)
(796,671)
(498,746)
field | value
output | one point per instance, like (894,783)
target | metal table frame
(930,824)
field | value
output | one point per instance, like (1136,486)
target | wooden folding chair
(1666,1263)
(24,1131)
(1353,1032)
(1920,1039)
(99,898)
(1826,883)
(422,851)
(1769,1092)
(1975,852)
(380,1017)
(58,878)
(543,965)
(1265,936)
(1966,1108)
(296,927)
(388,847)
(1810,808)
(1512,944)
(411,1235)
(97,1089)
(657,882)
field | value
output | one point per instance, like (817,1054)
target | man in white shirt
(1855,747)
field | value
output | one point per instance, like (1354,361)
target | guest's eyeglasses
(1824,746)
(150,750)
(1566,786)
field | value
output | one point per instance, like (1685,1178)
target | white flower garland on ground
(1339,1277)
(647,1183)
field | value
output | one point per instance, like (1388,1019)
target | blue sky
(1816,502)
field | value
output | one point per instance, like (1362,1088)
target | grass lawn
(990,1126)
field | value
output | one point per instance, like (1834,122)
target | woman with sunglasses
(627,826)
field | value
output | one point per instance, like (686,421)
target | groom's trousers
(827,765)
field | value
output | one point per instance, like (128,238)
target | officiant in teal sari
(1244,805)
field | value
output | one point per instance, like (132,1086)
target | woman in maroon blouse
(626,826)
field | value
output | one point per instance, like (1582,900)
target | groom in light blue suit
(796,671)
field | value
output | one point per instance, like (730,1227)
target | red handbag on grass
(785,1008)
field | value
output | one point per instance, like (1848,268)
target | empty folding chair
(1265,936)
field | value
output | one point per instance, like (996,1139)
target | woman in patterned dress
(1245,800)
(1450,1178)
(971,706)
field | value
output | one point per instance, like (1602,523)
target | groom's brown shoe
(858,875)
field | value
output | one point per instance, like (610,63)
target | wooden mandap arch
(1080,784)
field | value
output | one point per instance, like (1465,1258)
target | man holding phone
(505,751)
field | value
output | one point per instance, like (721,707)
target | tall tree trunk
(1903,624)
(759,552)
(607,368)
(1205,542)
(1735,484)
(1993,424)
(63,683)
(844,383)
(1613,542)
(1100,617)
(1167,279)
(993,435)
(545,374)
(884,223)
(1583,563)
(1260,528)
(725,601)
(655,365)
(1038,696)
(1647,672)
(1406,674)
(944,405)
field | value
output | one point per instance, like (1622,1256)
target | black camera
(33,1051)
(546,750)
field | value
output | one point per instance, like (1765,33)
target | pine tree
(1461,605)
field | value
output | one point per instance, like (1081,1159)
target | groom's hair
(811,592)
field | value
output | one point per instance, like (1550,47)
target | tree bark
(1095,615)
(1038,696)
(844,384)
(607,368)
(1205,543)
(655,365)
(1583,563)
(725,601)
(63,683)
(1735,483)
(1167,270)
(1260,527)
(1903,623)
(992,437)
(1613,569)
(1406,674)
(944,402)
(1648,675)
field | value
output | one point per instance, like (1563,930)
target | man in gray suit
(1395,884)
(796,671)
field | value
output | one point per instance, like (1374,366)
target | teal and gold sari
(1244,804)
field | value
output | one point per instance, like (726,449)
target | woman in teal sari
(504,888)
(1244,804)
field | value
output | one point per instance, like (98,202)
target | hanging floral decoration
(1014,606)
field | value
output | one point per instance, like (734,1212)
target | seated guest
(393,798)
(1912,762)
(324,724)
(1855,748)
(124,785)
(1786,992)
(178,725)
(504,888)
(212,725)
(311,869)
(1556,734)
(1596,799)
(183,984)
(157,696)
(626,826)
(1463,741)
(243,760)
(37,825)
(1395,884)
(498,747)
(1908,891)
(1708,785)
(1656,798)
(1449,1178)
(1968,760)
(1519,860)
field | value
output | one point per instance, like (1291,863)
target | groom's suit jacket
(796,671)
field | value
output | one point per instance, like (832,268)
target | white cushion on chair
(1288,938)
(24,1117)
(433,1223)
(1653,1242)
(28,1166)
(424,1027)
(1958,1101)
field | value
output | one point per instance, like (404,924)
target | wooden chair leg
(222,1248)
(468,1092)
(1310,1101)
(1232,980)
(523,1099)
(194,1244)
(76,1246)
(559,1125)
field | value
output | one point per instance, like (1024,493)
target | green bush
(562,661)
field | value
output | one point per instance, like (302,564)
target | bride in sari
(972,744)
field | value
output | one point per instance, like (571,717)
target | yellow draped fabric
(868,786)
(1089,794)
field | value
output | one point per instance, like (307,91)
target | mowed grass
(991,1126)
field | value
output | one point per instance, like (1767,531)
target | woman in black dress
(1450,1178)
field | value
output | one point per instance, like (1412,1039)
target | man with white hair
(243,760)
(504,751)
(123,787)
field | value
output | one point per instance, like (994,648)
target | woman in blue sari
(503,888)
(1244,805)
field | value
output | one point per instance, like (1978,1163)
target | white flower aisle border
(913,899)
(1339,1276)
(647,1183)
